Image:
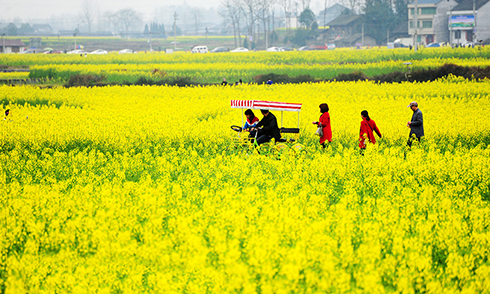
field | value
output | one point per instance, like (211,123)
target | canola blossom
(134,189)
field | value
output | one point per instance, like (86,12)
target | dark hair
(7,112)
(264,111)
(249,112)
(365,114)
(324,108)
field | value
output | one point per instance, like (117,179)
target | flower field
(134,189)
(212,68)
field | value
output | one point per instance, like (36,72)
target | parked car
(286,48)
(78,51)
(239,49)
(99,51)
(305,48)
(125,51)
(219,49)
(431,45)
(274,49)
(52,52)
(31,51)
(399,45)
(199,49)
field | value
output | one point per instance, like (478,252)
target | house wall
(483,22)
(441,20)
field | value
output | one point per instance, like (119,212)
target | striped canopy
(270,105)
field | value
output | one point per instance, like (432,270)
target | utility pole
(150,43)
(75,36)
(58,41)
(206,35)
(325,15)
(450,27)
(175,30)
(415,26)
(474,23)
(362,35)
(3,42)
(387,36)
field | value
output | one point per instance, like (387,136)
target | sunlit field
(138,189)
(213,67)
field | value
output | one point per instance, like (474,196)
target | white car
(99,51)
(239,49)
(78,51)
(124,51)
(274,49)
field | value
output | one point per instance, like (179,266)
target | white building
(462,19)
(432,20)
(12,46)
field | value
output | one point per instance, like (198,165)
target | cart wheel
(236,128)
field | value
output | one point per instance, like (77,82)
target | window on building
(427,24)
(428,10)
(418,22)
(412,10)
(457,34)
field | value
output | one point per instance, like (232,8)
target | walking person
(368,126)
(416,125)
(324,122)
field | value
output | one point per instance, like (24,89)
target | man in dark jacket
(416,125)
(267,128)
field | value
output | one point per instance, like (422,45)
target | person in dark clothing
(416,125)
(267,128)
(224,83)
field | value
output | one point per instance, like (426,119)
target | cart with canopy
(289,136)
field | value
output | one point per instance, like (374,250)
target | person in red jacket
(324,122)
(368,126)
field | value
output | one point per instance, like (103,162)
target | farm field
(135,189)
(212,68)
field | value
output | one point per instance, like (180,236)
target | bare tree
(263,14)
(197,17)
(128,18)
(287,6)
(89,13)
(354,5)
(232,12)
(249,8)
(305,4)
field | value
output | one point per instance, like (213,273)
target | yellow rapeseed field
(132,189)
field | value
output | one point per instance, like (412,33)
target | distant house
(42,29)
(342,28)
(327,15)
(12,46)
(462,21)
(356,40)
(346,25)
(432,21)
(401,31)
(66,33)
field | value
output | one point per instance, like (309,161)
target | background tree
(128,18)
(379,19)
(232,12)
(88,14)
(307,17)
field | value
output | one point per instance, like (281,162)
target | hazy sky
(45,9)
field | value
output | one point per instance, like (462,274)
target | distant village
(439,23)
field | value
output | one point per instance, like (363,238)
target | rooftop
(468,5)
(343,20)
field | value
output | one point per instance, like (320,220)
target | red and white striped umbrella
(270,105)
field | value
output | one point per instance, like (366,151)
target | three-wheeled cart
(289,136)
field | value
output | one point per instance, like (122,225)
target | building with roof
(327,15)
(432,21)
(12,46)
(467,25)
